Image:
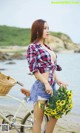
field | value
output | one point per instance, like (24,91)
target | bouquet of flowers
(60,103)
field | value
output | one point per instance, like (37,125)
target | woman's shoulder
(34,46)
(31,46)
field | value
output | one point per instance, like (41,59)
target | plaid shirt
(39,59)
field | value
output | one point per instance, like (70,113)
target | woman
(42,63)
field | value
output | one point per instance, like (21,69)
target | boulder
(61,43)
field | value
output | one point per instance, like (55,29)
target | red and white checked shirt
(39,59)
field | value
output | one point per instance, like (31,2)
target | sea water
(70,63)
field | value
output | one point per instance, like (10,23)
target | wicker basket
(6,83)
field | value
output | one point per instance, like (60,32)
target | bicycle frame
(13,122)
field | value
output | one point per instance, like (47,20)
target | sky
(60,18)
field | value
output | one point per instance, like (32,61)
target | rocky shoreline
(19,52)
(12,52)
(62,43)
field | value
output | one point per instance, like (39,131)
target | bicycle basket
(6,83)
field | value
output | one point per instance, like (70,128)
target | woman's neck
(41,42)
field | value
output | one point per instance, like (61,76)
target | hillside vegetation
(11,36)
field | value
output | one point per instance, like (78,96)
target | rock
(77,51)
(18,56)
(62,43)
(11,62)
(4,56)
(55,43)
(65,37)
(2,69)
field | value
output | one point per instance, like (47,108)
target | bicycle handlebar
(20,83)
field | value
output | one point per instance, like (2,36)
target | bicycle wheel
(16,123)
(9,118)
(28,123)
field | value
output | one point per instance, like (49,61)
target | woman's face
(45,31)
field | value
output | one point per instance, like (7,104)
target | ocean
(70,63)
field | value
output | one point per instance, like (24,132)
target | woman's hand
(61,83)
(48,88)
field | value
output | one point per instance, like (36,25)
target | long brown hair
(37,30)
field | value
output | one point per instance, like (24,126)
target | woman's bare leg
(50,125)
(38,117)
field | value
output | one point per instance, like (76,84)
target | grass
(10,36)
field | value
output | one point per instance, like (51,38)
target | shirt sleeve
(32,58)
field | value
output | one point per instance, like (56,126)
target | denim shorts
(38,90)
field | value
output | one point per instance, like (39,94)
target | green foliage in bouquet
(60,103)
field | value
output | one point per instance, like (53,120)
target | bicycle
(18,123)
